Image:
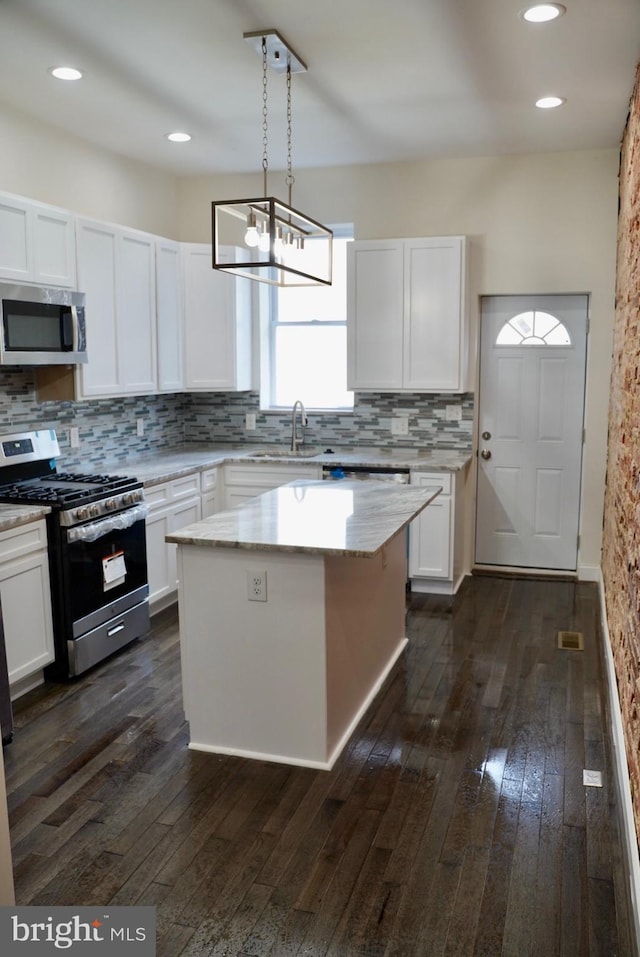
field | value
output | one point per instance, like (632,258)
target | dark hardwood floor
(456,821)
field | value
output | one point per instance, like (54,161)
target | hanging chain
(289,178)
(265,138)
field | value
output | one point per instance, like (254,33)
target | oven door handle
(92,531)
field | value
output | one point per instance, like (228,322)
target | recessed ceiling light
(179,137)
(550,102)
(542,12)
(65,73)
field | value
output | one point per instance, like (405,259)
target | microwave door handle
(70,329)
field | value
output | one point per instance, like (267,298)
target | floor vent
(571,640)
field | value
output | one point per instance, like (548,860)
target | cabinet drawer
(157,495)
(23,540)
(433,480)
(186,486)
(209,479)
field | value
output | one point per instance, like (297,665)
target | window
(307,340)
(533,329)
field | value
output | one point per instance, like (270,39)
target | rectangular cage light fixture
(266,240)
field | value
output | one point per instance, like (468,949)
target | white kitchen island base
(286,679)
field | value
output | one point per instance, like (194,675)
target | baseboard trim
(621,774)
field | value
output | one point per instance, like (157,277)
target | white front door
(531,405)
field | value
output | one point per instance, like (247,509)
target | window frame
(269,306)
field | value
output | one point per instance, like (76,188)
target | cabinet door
(26,614)
(16,243)
(374,315)
(97,263)
(430,541)
(217,318)
(169,316)
(159,559)
(136,313)
(433,314)
(54,247)
(183,514)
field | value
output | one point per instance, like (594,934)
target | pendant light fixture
(264,238)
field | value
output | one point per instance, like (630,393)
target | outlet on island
(256,584)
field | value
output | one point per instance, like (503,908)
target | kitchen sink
(283,451)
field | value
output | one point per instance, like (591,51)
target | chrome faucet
(295,441)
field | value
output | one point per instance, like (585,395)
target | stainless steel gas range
(97,549)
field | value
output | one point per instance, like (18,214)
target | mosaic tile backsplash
(107,427)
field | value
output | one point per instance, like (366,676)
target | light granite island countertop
(292,614)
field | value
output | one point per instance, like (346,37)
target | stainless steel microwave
(41,325)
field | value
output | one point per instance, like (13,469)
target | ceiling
(387,80)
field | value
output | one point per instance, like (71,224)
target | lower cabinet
(242,482)
(172,505)
(210,494)
(436,536)
(26,603)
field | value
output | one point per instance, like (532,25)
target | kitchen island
(292,613)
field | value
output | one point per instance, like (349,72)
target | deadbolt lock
(486,436)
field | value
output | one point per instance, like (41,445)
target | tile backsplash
(108,427)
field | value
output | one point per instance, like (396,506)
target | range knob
(110,504)
(81,514)
(93,510)
(130,498)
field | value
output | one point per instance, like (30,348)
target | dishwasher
(357,472)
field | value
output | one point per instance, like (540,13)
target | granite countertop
(11,516)
(165,466)
(348,518)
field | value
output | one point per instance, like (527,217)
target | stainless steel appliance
(41,325)
(97,549)
(357,472)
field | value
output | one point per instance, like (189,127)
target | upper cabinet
(116,271)
(37,243)
(406,315)
(217,325)
(169,314)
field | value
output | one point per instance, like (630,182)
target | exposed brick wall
(621,533)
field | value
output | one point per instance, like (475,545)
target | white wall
(43,163)
(537,223)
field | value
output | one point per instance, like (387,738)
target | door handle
(486,453)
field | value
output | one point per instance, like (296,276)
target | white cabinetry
(169,312)
(406,315)
(210,494)
(172,505)
(116,270)
(26,601)
(217,325)
(37,242)
(436,535)
(242,482)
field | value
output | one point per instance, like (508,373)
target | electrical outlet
(74,437)
(400,425)
(453,413)
(139,426)
(256,584)
(250,421)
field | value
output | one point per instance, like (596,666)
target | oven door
(104,561)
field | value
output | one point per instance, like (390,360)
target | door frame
(522,571)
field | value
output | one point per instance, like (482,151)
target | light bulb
(251,236)
(264,241)
(278,244)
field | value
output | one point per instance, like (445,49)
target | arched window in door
(533,328)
